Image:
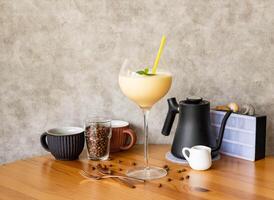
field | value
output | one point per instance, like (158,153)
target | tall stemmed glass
(144,88)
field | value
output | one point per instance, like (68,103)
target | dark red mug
(123,137)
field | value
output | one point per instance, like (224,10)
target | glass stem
(146,112)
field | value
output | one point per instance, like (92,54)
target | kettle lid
(194,100)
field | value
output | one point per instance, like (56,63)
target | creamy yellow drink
(145,90)
(145,86)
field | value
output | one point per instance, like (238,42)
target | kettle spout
(173,109)
(221,132)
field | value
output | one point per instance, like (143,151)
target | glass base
(147,173)
(106,157)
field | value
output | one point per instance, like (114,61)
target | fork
(124,181)
(87,175)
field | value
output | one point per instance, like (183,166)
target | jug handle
(184,153)
(221,132)
(173,109)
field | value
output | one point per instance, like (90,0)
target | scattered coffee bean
(169,179)
(103,167)
(134,163)
(187,176)
(93,168)
(110,158)
(165,166)
(160,185)
(110,165)
(182,178)
(120,169)
(181,170)
(120,161)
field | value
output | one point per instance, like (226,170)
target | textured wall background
(60,60)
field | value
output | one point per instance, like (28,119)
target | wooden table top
(45,178)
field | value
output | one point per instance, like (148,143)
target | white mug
(199,157)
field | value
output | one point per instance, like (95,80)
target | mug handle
(184,153)
(44,142)
(133,139)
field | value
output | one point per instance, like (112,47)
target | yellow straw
(156,62)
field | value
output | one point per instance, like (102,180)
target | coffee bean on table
(110,158)
(166,168)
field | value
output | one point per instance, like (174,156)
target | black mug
(65,143)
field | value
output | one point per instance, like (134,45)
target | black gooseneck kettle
(194,127)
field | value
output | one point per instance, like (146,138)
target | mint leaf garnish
(145,72)
(141,72)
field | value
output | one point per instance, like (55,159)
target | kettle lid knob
(194,100)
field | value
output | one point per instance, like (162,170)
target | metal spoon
(88,175)
(104,171)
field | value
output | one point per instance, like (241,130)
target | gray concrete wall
(60,61)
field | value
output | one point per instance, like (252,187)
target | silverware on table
(98,177)
(104,171)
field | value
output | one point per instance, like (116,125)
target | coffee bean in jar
(98,134)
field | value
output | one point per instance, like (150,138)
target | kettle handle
(221,132)
(173,109)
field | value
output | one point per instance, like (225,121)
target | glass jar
(98,134)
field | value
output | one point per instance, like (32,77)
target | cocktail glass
(145,90)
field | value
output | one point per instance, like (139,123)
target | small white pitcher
(199,157)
